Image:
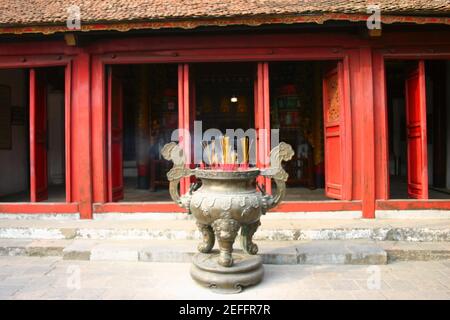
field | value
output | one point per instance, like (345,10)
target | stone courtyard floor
(54,278)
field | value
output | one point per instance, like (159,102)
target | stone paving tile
(401,295)
(434,295)
(86,294)
(344,285)
(430,285)
(401,285)
(7,291)
(369,285)
(368,295)
(33,293)
(50,279)
(115,294)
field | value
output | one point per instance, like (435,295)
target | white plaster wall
(13,163)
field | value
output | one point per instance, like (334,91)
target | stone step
(182,227)
(318,252)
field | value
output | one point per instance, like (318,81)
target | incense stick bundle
(226,150)
(213,153)
(245,150)
(207,151)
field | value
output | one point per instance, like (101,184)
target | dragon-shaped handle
(173,152)
(282,152)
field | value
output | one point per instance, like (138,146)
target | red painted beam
(412,204)
(318,206)
(288,206)
(39,208)
(134,207)
(25,61)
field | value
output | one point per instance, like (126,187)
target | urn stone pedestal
(227,202)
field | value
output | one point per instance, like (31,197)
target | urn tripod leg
(247,233)
(226,231)
(208,238)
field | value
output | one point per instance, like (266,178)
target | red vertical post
(99,130)
(184,118)
(368,145)
(81,137)
(259,119)
(266,120)
(262,120)
(381,131)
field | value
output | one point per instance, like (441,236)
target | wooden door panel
(416,132)
(115,139)
(38,136)
(333,108)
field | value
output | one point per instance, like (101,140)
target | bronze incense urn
(227,201)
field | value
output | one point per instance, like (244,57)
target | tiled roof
(39,12)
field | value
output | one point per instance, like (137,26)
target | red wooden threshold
(318,206)
(412,204)
(39,208)
(294,206)
(133,207)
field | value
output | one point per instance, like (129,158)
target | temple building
(90,92)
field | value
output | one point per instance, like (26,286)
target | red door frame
(380,56)
(37,61)
(185,56)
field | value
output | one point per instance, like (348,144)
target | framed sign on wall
(5,118)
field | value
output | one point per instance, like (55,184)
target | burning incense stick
(245,150)
(207,151)
(225,149)
(213,153)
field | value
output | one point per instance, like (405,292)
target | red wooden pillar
(262,120)
(99,130)
(81,137)
(368,145)
(184,118)
(381,132)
